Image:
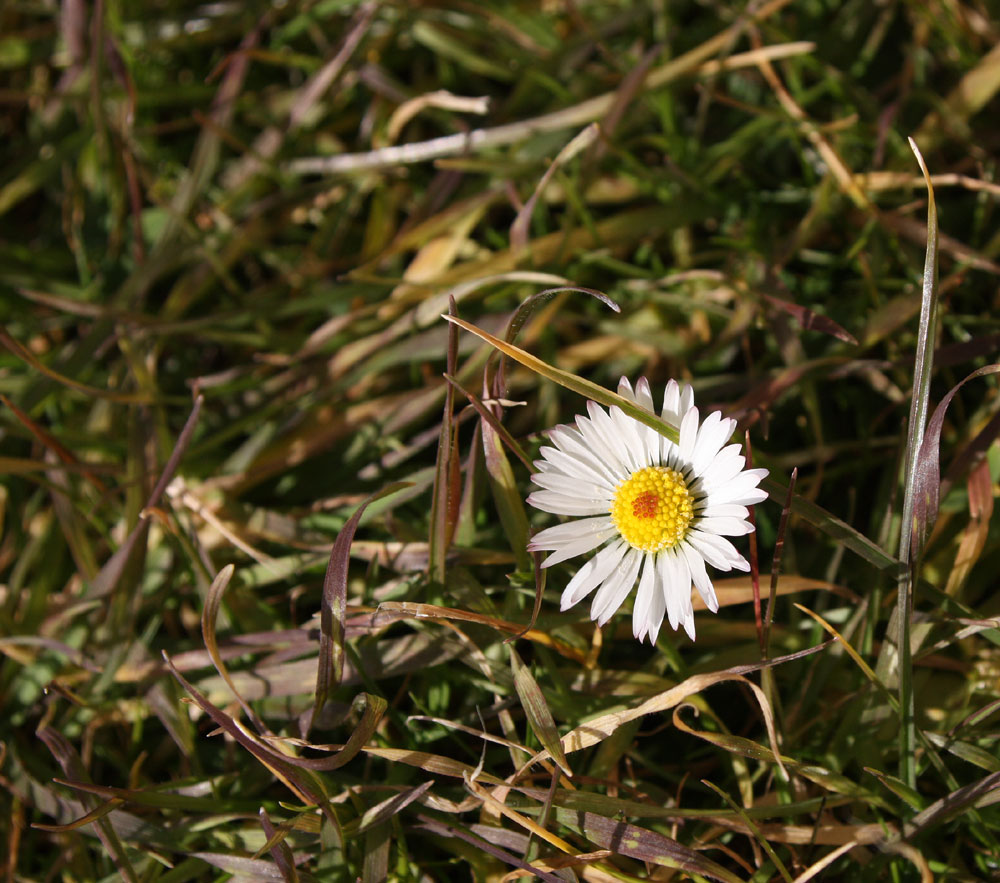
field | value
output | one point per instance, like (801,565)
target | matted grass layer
(266,607)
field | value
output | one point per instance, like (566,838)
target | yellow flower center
(653,508)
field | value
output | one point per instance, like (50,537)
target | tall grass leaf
(908,552)
(97,813)
(502,809)
(959,801)
(537,711)
(430,611)
(970,753)
(431,763)
(331,643)
(524,312)
(375,865)
(599,728)
(834,527)
(506,494)
(572,382)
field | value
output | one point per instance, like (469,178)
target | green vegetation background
(228,232)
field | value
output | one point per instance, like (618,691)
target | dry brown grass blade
(739,589)
(409,609)
(600,728)
(973,541)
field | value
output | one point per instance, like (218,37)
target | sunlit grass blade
(537,711)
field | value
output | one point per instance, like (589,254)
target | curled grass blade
(331,644)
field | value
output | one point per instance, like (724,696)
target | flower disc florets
(653,508)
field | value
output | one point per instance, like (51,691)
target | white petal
(717,551)
(741,490)
(689,434)
(643,441)
(699,576)
(725,526)
(616,588)
(561,504)
(576,449)
(580,547)
(642,611)
(619,433)
(625,389)
(592,573)
(712,435)
(675,583)
(730,510)
(573,486)
(725,466)
(556,537)
(594,439)
(571,463)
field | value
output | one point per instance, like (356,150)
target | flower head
(655,506)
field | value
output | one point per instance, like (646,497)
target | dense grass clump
(266,604)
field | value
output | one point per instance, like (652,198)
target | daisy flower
(661,508)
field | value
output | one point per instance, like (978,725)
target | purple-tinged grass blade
(444,499)
(810,320)
(280,851)
(108,576)
(643,844)
(300,782)
(72,766)
(450,832)
(927,470)
(331,641)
